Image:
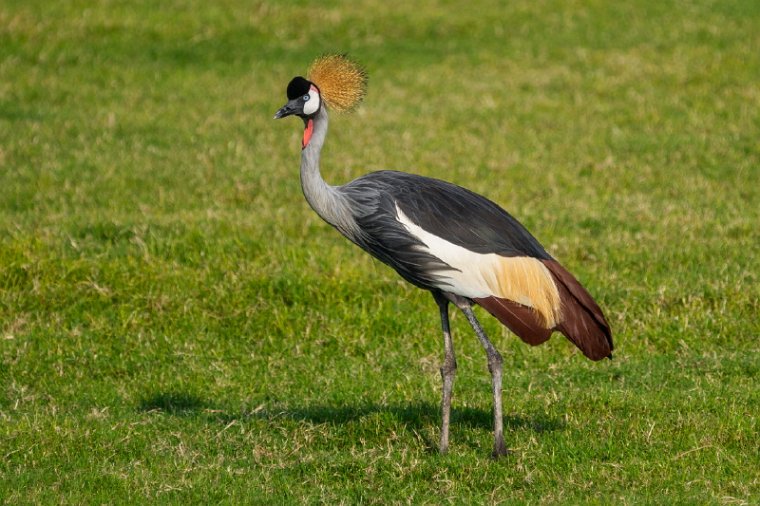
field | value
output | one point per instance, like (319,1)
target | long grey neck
(329,203)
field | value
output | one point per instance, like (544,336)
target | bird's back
(440,236)
(446,210)
(434,233)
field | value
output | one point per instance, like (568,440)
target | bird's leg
(448,371)
(494,366)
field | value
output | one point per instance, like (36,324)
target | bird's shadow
(414,416)
(176,403)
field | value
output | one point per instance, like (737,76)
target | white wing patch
(524,280)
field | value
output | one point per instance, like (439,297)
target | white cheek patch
(312,105)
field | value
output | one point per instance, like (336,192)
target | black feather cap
(298,87)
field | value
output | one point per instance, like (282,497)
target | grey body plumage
(459,245)
(462,217)
(364,211)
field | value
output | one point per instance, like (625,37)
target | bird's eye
(306,98)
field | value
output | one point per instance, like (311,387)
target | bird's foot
(443,445)
(500,450)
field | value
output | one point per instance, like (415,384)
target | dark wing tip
(583,320)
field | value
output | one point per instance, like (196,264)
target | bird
(460,246)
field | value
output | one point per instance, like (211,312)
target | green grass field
(177,326)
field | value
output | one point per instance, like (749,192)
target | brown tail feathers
(583,322)
(522,320)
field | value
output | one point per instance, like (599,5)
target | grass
(176,325)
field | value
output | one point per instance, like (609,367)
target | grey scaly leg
(494,365)
(448,371)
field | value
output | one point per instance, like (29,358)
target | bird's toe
(500,450)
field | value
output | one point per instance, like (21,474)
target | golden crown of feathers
(341,81)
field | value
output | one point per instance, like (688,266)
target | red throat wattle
(307,133)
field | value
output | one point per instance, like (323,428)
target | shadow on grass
(415,415)
(415,418)
(175,403)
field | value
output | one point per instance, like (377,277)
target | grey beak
(285,110)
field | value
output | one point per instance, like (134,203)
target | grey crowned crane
(459,245)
